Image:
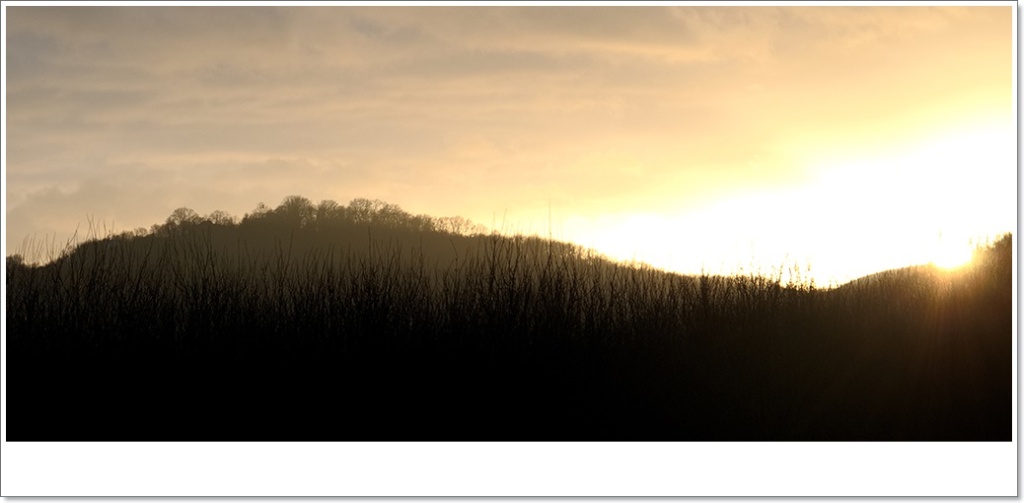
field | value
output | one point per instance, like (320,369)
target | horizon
(787,274)
(854,139)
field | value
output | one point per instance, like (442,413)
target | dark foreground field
(363,323)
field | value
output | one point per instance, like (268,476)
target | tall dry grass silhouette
(362,322)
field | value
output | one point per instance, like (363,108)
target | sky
(843,140)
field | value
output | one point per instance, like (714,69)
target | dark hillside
(362,322)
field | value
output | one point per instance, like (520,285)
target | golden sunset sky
(853,138)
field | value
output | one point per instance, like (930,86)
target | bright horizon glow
(905,206)
(908,205)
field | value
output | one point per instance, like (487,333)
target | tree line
(297,212)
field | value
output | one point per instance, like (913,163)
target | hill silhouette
(363,322)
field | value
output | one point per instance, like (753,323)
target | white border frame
(507,469)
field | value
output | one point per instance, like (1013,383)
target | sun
(952,255)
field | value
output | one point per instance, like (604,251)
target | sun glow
(923,204)
(952,256)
